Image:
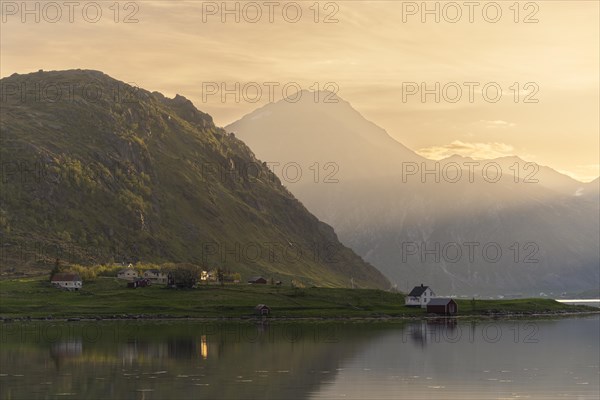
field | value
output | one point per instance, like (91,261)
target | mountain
(325,131)
(524,171)
(499,228)
(97,171)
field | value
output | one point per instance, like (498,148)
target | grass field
(108,297)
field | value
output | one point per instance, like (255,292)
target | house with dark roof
(419,296)
(257,280)
(67,281)
(156,276)
(442,306)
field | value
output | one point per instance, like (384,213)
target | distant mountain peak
(328,128)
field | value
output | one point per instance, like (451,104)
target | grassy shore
(109,298)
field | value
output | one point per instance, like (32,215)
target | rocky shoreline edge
(381,318)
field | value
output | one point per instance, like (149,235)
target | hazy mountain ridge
(389,201)
(526,171)
(133,175)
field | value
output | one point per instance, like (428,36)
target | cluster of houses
(213,276)
(155,276)
(71,281)
(149,277)
(424,297)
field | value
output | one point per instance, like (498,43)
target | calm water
(555,359)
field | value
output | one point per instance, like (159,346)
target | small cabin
(67,281)
(419,296)
(442,306)
(128,274)
(262,309)
(257,280)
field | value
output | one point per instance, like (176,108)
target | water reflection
(434,329)
(175,360)
(476,360)
(439,358)
(64,350)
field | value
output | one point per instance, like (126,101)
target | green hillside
(97,171)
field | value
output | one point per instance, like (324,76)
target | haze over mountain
(115,173)
(464,226)
(322,131)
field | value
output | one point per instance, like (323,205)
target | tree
(183,276)
(220,276)
(57,268)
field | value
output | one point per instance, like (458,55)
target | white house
(156,276)
(128,274)
(67,281)
(419,296)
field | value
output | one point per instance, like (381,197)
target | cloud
(467,149)
(498,123)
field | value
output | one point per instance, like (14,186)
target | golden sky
(374,52)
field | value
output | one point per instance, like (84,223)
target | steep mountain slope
(107,172)
(415,221)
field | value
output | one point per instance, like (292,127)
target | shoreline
(108,299)
(254,319)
